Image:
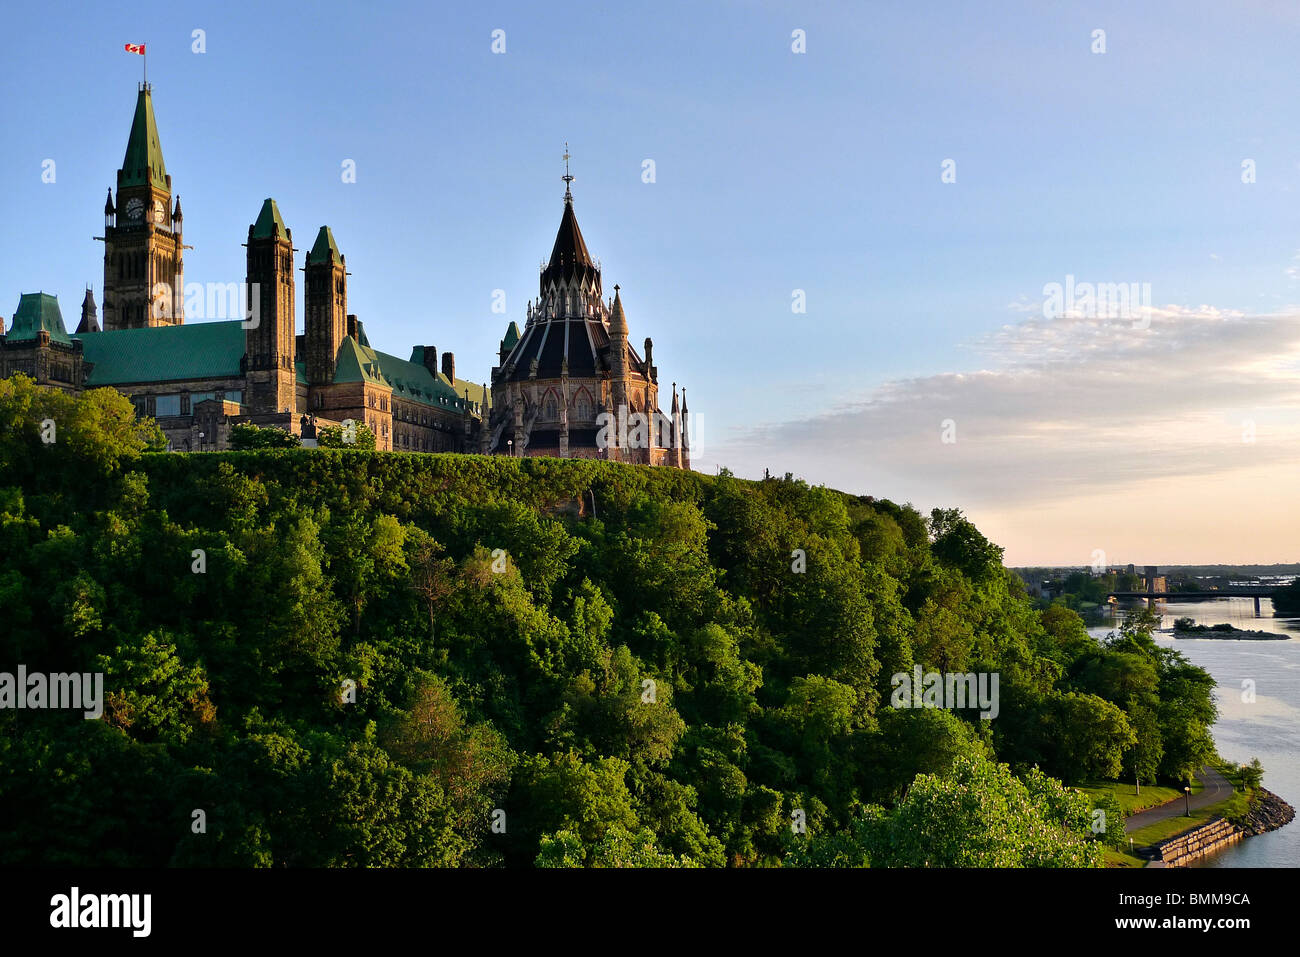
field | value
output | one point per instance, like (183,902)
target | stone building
(571,384)
(200,379)
(142,233)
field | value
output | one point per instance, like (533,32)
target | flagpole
(144,55)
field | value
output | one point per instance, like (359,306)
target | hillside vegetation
(382,659)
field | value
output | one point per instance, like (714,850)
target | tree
(1089,735)
(980,815)
(565,793)
(617,848)
(357,436)
(959,544)
(1286,601)
(1252,775)
(246,435)
(431,575)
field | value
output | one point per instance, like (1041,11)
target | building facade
(570,384)
(201,379)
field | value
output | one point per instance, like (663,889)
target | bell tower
(326,307)
(143,283)
(269,330)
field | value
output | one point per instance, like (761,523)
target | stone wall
(1206,839)
(1268,813)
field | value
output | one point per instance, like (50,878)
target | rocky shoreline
(1269,813)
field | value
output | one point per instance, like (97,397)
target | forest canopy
(349,658)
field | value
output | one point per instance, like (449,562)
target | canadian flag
(135,48)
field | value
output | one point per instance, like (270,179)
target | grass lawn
(1131,803)
(1154,833)
(1122,859)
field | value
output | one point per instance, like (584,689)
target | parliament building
(570,384)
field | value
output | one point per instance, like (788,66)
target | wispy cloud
(1061,409)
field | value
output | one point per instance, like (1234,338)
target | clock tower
(143,283)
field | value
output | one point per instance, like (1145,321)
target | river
(1268,728)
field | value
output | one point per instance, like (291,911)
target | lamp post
(1187,794)
(511,444)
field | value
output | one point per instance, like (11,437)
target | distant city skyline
(1171,160)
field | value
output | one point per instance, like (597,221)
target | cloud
(1060,409)
(1293,271)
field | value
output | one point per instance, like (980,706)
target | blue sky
(775,171)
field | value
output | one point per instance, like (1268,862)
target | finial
(617,287)
(567,177)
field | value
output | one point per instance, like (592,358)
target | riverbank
(1262,727)
(1267,812)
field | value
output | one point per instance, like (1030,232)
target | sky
(917,177)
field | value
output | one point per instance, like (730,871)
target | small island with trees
(1188,628)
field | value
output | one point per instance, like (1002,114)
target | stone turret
(326,307)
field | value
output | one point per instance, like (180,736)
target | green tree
(978,816)
(959,544)
(246,435)
(357,436)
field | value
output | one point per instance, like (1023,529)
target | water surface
(1267,728)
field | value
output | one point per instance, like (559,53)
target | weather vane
(566,177)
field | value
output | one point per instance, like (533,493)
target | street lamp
(1187,793)
(510,443)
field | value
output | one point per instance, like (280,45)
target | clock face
(135,210)
(160,212)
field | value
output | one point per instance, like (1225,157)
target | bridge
(1234,591)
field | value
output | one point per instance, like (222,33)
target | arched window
(582,407)
(550,408)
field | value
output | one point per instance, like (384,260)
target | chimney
(352,326)
(431,359)
(449,367)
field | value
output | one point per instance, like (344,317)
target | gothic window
(582,407)
(550,409)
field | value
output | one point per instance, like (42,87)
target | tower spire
(567,177)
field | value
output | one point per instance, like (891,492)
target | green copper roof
(408,380)
(200,350)
(356,363)
(38,312)
(144,159)
(415,382)
(269,225)
(512,337)
(324,249)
